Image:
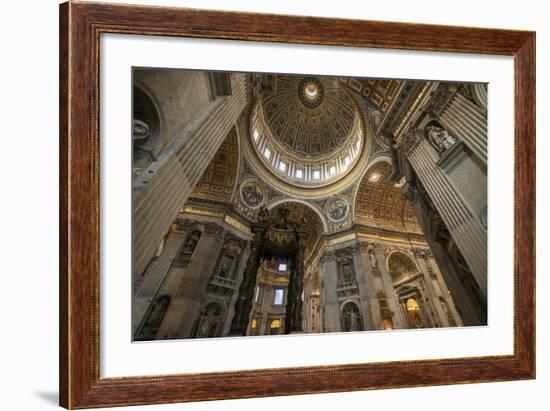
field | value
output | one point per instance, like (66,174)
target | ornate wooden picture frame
(81,25)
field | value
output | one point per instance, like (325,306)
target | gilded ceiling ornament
(252,194)
(310,116)
(337,210)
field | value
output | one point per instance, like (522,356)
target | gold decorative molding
(237,224)
(202,211)
(341,239)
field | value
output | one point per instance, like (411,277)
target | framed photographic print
(256,205)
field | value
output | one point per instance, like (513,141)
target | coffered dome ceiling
(308,132)
(309,117)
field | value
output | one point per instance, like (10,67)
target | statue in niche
(354,321)
(191,242)
(440,138)
(347,273)
(225,266)
(209,322)
(372,256)
(351,318)
(154,319)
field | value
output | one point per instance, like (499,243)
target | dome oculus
(311,92)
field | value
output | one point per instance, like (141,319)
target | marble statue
(191,242)
(372,257)
(440,138)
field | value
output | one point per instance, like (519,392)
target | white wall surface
(29,219)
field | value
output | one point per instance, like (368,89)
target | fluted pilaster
(468,122)
(155,274)
(466,229)
(163,189)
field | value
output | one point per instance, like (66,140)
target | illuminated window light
(282,267)
(267,153)
(299,173)
(347,160)
(255,134)
(316,174)
(278,299)
(332,170)
(282,166)
(374,177)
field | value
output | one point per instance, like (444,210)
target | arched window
(351,318)
(210,321)
(153,319)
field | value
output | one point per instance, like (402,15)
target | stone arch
(379,202)
(146,128)
(401,259)
(316,210)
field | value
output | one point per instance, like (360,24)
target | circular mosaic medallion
(311,92)
(337,210)
(252,194)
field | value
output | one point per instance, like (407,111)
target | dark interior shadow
(51,397)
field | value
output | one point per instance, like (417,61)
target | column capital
(328,256)
(440,99)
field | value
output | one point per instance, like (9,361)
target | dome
(307,130)
(310,116)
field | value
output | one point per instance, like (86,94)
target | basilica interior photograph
(272,204)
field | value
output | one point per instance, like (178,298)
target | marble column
(240,273)
(442,290)
(463,224)
(163,188)
(398,319)
(433,291)
(468,122)
(479,93)
(368,284)
(426,216)
(329,273)
(190,282)
(154,276)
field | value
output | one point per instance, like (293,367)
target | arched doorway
(409,286)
